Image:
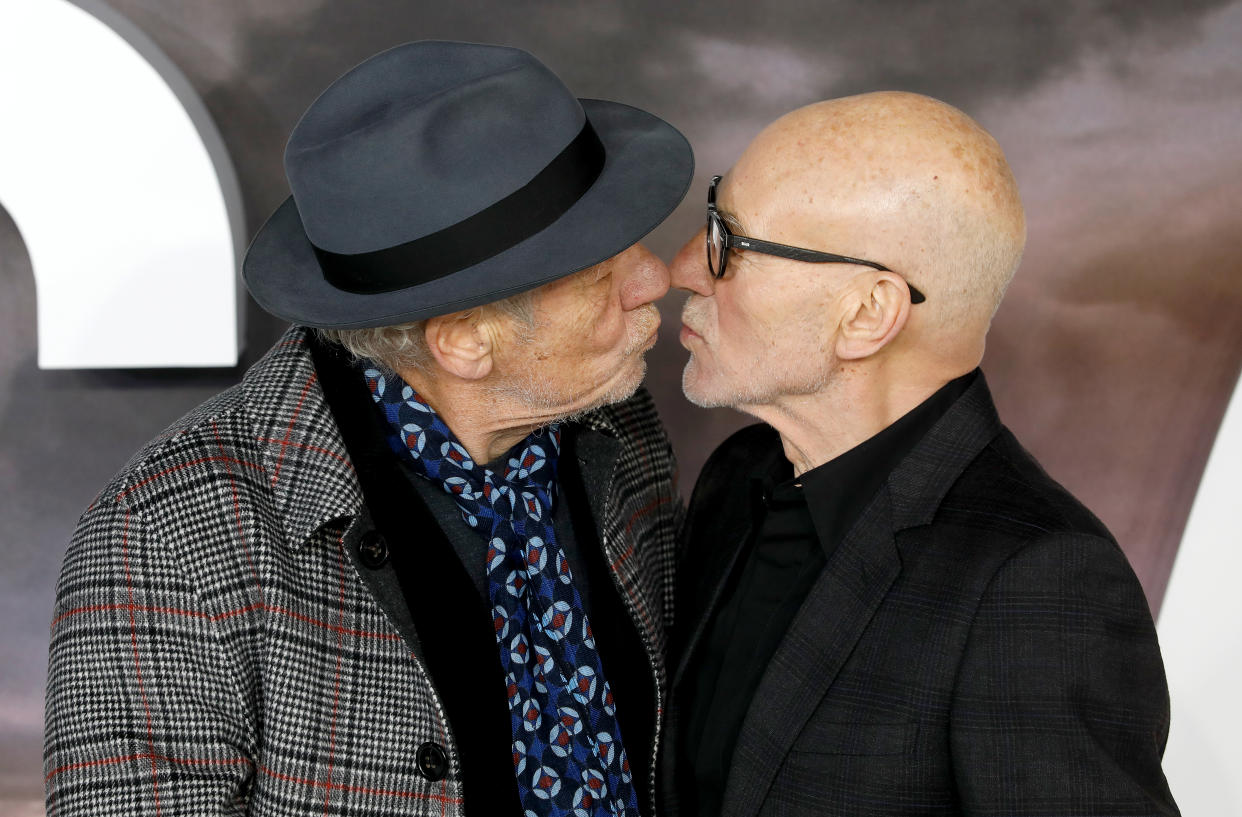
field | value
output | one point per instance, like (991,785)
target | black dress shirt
(795,524)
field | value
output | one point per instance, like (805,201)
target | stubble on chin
(534,394)
(689,376)
(694,316)
(757,385)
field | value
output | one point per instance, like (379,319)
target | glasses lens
(715,247)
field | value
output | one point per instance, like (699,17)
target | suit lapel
(836,612)
(717,539)
(720,564)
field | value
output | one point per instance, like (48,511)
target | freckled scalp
(904,179)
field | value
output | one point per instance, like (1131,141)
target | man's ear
(460,344)
(874,315)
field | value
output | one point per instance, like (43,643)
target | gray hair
(404,345)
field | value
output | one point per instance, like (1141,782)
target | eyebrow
(734,223)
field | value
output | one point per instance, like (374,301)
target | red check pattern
(214,650)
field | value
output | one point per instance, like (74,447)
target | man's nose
(646,278)
(689,267)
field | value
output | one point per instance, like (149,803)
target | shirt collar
(838,491)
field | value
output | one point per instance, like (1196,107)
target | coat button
(372,549)
(432,761)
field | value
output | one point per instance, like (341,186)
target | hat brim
(647,171)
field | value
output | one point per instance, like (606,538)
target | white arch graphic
(1200,630)
(122,190)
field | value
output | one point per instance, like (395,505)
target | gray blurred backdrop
(1112,358)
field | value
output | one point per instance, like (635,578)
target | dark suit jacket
(977,644)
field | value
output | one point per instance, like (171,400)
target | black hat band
(494,229)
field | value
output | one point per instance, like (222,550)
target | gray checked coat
(215,649)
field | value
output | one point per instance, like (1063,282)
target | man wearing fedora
(419,560)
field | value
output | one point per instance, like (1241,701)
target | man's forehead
(746,201)
(727,201)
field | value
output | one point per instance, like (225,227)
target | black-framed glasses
(720,240)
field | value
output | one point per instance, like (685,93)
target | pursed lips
(690,312)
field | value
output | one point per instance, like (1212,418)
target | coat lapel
(598,461)
(311,475)
(634,505)
(820,639)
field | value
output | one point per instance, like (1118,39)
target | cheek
(608,326)
(742,323)
(596,332)
(754,334)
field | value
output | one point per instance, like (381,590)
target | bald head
(830,353)
(898,178)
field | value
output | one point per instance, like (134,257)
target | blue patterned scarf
(567,749)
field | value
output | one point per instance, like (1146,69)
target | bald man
(887,607)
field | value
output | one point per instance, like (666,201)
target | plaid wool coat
(215,649)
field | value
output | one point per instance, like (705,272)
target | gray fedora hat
(437,176)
